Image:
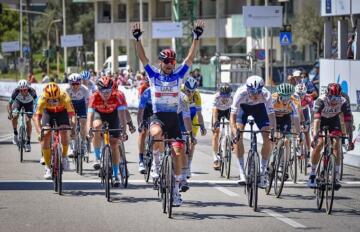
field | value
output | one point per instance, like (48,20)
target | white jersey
(183,105)
(221,102)
(242,97)
(80,95)
(91,87)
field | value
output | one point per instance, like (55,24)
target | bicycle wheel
(320,187)
(124,172)
(227,157)
(147,162)
(21,144)
(170,183)
(294,154)
(80,157)
(76,152)
(330,177)
(256,172)
(59,163)
(341,171)
(221,152)
(249,178)
(54,169)
(107,170)
(280,170)
(271,171)
(162,183)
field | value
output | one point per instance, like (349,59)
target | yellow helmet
(52,91)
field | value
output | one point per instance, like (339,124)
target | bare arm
(90,118)
(122,117)
(233,123)
(316,126)
(140,115)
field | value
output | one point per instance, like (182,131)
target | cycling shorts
(113,120)
(169,123)
(258,112)
(80,108)
(17,105)
(61,118)
(223,114)
(333,124)
(283,123)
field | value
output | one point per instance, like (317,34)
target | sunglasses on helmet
(169,61)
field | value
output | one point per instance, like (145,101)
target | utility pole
(28,2)
(267,78)
(64,33)
(21,34)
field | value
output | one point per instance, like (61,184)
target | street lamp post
(57,44)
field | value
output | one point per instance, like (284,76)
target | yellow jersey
(55,105)
(284,109)
(195,101)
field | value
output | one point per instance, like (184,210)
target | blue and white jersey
(242,98)
(165,89)
(145,99)
(92,87)
(80,96)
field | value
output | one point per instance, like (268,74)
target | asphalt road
(28,203)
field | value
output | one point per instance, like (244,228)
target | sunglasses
(284,98)
(169,61)
(225,95)
(24,90)
(253,91)
(75,83)
(106,90)
(53,101)
(334,98)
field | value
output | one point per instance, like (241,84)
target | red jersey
(116,101)
(307,101)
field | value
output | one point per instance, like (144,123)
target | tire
(60,169)
(249,179)
(22,143)
(88,146)
(256,181)
(221,151)
(54,169)
(279,173)
(228,158)
(319,190)
(170,183)
(81,159)
(123,168)
(271,171)
(107,171)
(147,158)
(341,171)
(330,177)
(162,184)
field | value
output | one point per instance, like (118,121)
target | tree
(9,25)
(309,28)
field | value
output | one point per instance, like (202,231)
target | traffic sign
(260,54)
(285,38)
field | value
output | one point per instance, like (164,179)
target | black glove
(197,32)
(202,130)
(132,128)
(137,34)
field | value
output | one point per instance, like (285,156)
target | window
(234,6)
(163,10)
(121,13)
(136,12)
(207,8)
(104,12)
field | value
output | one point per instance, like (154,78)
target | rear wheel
(330,177)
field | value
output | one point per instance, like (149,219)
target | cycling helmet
(85,75)
(254,83)
(167,53)
(105,82)
(225,89)
(285,89)
(51,91)
(334,89)
(74,78)
(191,84)
(296,73)
(23,84)
(300,89)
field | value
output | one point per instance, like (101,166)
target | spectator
(31,78)
(65,80)
(56,79)
(197,75)
(45,78)
(315,77)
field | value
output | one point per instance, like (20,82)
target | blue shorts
(283,123)
(80,108)
(258,112)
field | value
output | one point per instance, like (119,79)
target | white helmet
(74,78)
(191,83)
(254,82)
(23,84)
(300,89)
(296,73)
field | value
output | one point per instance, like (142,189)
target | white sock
(177,182)
(156,160)
(241,166)
(215,157)
(263,165)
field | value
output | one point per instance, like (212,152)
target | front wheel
(59,175)
(124,172)
(280,171)
(227,157)
(320,180)
(107,170)
(330,180)
(21,142)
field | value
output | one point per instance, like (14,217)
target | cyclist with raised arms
(143,119)
(107,105)
(193,99)
(79,95)
(255,100)
(331,110)
(165,89)
(221,109)
(54,105)
(22,96)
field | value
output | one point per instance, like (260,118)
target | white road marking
(5,138)
(284,219)
(7,135)
(226,191)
